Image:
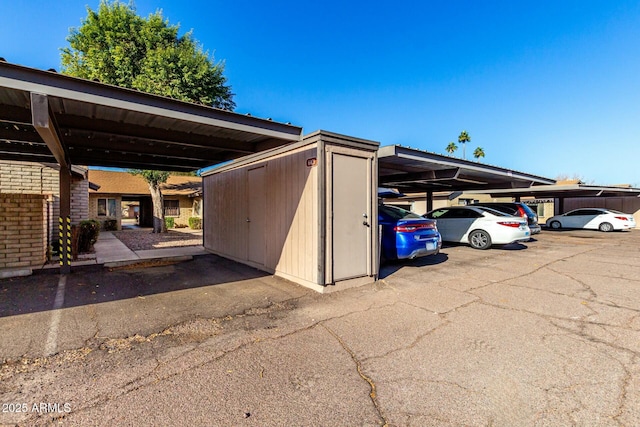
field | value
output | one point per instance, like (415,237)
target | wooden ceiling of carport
(103,125)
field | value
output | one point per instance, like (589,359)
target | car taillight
(623,218)
(514,224)
(408,228)
(521,211)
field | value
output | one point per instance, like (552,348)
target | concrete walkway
(109,249)
(111,252)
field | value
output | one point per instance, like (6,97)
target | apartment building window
(171,208)
(107,207)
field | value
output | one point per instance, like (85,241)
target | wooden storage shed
(306,212)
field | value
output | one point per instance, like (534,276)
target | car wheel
(606,227)
(556,225)
(480,239)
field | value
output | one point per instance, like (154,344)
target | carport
(564,191)
(415,171)
(52,118)
(626,199)
(321,188)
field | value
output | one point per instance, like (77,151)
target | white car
(478,226)
(593,219)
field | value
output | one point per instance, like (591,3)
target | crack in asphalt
(623,398)
(410,346)
(581,333)
(151,376)
(372,394)
(588,339)
(578,332)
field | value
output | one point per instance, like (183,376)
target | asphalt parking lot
(545,333)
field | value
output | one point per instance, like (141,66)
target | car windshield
(616,212)
(397,213)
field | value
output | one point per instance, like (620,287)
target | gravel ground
(138,240)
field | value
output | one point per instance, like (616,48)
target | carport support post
(429,201)
(558,206)
(65,220)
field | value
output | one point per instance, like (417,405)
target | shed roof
(114,182)
(50,117)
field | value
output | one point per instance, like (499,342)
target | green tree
(463,139)
(451,148)
(116,46)
(154,179)
(478,153)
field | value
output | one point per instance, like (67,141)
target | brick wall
(28,178)
(79,200)
(23,230)
(44,178)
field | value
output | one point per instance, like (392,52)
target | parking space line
(52,336)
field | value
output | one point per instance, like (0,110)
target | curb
(16,272)
(133,262)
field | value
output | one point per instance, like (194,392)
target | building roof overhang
(411,170)
(50,117)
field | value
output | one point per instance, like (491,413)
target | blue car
(406,235)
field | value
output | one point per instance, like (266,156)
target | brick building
(30,207)
(113,192)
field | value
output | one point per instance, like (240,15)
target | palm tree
(463,139)
(479,152)
(451,148)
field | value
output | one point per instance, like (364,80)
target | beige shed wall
(292,214)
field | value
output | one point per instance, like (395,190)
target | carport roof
(565,190)
(411,170)
(50,117)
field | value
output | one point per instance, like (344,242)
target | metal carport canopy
(50,117)
(565,190)
(412,170)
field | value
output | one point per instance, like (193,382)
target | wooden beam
(111,128)
(429,175)
(44,123)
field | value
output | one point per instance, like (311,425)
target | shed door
(351,216)
(256,217)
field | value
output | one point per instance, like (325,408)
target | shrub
(195,223)
(111,225)
(169,221)
(89,232)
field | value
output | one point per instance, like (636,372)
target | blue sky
(546,87)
